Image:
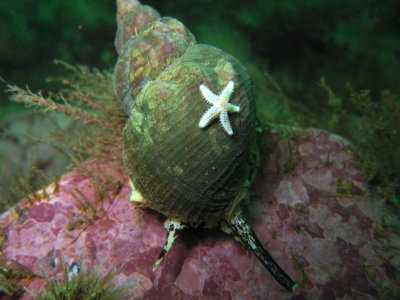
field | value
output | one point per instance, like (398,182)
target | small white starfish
(220,106)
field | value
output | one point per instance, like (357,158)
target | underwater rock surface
(20,152)
(311,209)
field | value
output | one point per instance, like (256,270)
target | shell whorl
(146,45)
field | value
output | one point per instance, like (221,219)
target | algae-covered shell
(135,22)
(181,170)
(147,53)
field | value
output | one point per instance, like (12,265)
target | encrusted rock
(310,207)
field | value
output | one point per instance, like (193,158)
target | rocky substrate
(311,209)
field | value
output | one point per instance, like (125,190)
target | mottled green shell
(183,171)
(134,23)
(146,55)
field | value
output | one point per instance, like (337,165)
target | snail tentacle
(241,230)
(173,227)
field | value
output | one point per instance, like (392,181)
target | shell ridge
(188,189)
(186,141)
(159,157)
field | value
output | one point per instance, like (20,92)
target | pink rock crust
(311,210)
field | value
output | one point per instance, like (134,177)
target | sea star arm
(233,108)
(223,118)
(227,91)
(209,115)
(209,96)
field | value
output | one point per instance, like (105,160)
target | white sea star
(220,106)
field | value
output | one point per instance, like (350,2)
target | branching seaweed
(86,96)
(379,139)
(373,127)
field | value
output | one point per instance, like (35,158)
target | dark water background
(311,61)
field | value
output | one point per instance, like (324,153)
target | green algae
(347,188)
(84,284)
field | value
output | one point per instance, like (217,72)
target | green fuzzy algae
(346,188)
(86,284)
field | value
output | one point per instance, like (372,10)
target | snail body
(189,174)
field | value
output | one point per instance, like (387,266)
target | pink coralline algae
(310,208)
